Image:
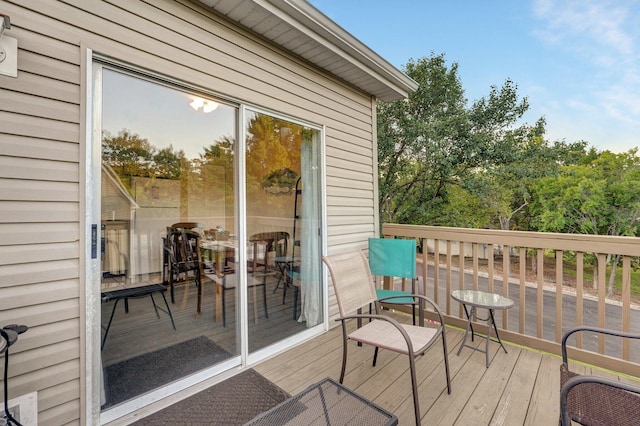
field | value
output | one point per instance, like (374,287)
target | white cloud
(587,24)
(599,40)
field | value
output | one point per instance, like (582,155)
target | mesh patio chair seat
(593,400)
(354,289)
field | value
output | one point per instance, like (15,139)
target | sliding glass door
(168,184)
(209,228)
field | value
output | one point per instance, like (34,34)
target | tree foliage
(600,196)
(504,191)
(429,143)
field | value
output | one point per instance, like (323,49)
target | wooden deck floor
(520,387)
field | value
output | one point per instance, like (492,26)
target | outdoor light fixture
(5,23)
(206,105)
(8,49)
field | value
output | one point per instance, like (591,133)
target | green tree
(429,143)
(504,190)
(128,153)
(272,145)
(600,196)
(167,163)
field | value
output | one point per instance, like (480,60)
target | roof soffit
(305,31)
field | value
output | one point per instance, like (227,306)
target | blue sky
(577,61)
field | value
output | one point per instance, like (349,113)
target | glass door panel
(168,226)
(283,228)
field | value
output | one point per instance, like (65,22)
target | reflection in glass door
(168,226)
(283,228)
(172,274)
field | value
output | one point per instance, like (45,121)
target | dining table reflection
(220,266)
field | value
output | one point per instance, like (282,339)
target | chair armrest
(582,379)
(421,297)
(593,330)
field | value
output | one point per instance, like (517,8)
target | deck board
(519,387)
(547,379)
(518,390)
(490,391)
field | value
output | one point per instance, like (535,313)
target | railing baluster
(449,277)
(506,274)
(602,291)
(626,304)
(559,284)
(579,294)
(523,287)
(461,264)
(539,291)
(474,254)
(461,271)
(490,266)
(436,269)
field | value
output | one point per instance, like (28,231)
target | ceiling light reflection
(206,105)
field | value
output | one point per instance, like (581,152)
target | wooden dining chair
(183,253)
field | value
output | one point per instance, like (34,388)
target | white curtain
(310,289)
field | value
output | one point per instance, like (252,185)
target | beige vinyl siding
(41,169)
(39,216)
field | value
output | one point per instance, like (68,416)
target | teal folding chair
(394,258)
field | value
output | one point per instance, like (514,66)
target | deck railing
(557,281)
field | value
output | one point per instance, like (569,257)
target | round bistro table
(472,300)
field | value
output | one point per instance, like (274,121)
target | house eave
(305,31)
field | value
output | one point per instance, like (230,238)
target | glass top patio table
(472,300)
(326,403)
(482,299)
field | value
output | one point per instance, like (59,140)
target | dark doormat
(232,402)
(133,377)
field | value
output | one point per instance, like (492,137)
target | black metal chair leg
(173,296)
(106,332)
(446,361)
(264,294)
(344,352)
(224,308)
(155,308)
(168,310)
(414,385)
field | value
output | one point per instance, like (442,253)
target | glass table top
(482,299)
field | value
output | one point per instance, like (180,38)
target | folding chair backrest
(352,280)
(390,257)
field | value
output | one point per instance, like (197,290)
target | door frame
(90,152)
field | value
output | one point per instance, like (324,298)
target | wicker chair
(354,289)
(592,400)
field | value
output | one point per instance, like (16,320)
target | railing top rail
(628,246)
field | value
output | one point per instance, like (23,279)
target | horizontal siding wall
(40,165)
(39,218)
